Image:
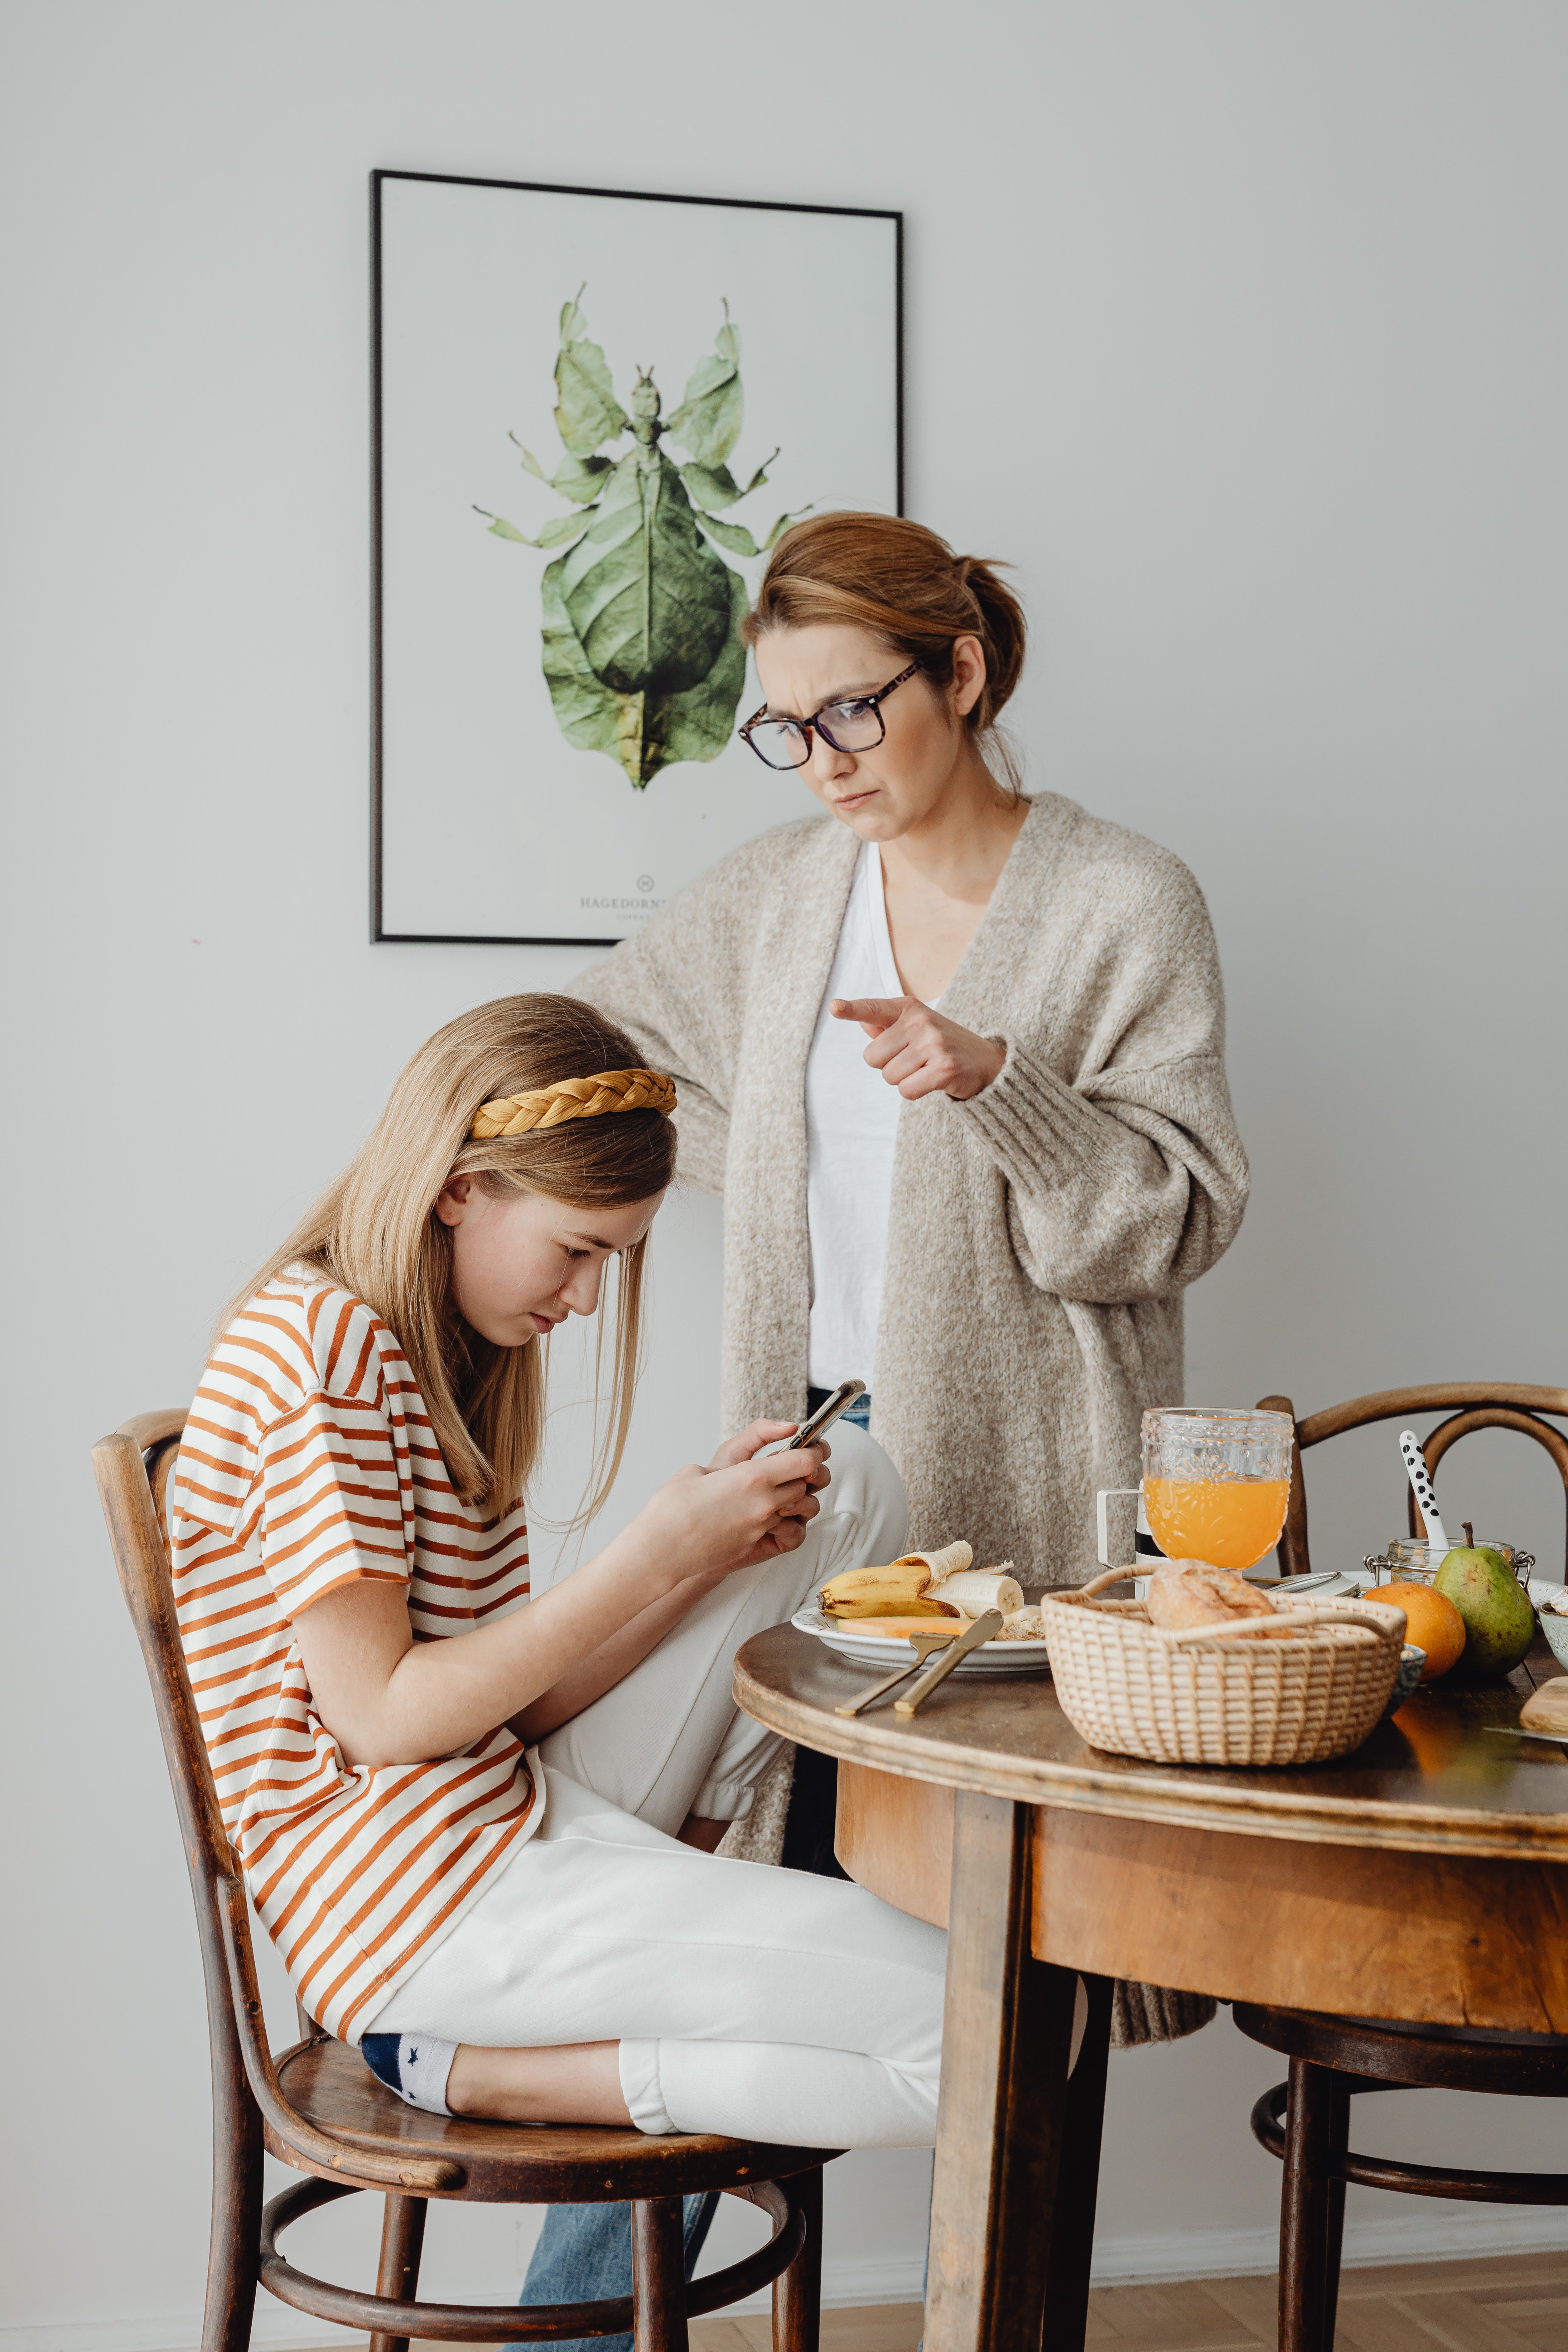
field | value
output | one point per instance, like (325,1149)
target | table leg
(1006,2039)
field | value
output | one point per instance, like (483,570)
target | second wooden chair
(1306,2121)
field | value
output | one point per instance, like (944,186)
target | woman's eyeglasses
(855,724)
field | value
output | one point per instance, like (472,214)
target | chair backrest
(132,1469)
(1470,1405)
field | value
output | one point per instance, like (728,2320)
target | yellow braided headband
(607,1090)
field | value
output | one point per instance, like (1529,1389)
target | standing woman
(954,1057)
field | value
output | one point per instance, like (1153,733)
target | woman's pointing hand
(919,1052)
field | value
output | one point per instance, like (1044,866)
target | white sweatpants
(763,2003)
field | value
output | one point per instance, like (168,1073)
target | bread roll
(1546,1708)
(1179,1597)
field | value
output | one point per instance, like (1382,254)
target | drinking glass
(1216,1483)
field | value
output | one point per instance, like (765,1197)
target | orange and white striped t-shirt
(308,1462)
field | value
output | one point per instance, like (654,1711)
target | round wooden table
(1431,1860)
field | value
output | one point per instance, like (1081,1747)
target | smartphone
(825,1414)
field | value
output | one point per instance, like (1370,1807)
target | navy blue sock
(414,2065)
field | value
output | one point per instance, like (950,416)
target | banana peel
(902,1589)
(922,1585)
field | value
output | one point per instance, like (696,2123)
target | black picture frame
(379,180)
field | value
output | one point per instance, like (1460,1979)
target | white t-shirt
(851,1125)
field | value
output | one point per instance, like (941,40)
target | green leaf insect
(640,617)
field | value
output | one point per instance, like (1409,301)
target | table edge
(1246,1813)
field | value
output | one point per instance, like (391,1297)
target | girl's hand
(751,1440)
(919,1052)
(703,1521)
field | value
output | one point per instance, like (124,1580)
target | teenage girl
(481,1833)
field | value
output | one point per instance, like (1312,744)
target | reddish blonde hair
(899,580)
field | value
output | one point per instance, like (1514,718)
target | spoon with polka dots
(1415,1462)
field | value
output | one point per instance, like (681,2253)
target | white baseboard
(1447,2233)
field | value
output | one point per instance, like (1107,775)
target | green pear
(1499,1623)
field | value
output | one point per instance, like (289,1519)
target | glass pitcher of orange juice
(1216,1483)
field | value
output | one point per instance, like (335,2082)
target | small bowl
(1555,1628)
(1412,1666)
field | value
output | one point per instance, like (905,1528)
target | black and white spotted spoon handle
(1415,1462)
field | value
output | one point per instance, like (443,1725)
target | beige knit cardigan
(1040,1234)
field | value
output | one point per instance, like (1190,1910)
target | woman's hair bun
(1004,630)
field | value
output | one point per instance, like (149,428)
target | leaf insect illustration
(640,616)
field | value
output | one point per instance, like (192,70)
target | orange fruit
(1431,1621)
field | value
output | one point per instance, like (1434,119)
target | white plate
(889,1650)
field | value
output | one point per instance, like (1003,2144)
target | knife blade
(981,1630)
(924,1644)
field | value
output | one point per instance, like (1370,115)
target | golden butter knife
(981,1630)
(924,1644)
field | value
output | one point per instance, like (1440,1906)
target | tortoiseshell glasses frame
(862,713)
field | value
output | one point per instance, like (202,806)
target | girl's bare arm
(613,1660)
(387,1699)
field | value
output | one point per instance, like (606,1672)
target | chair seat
(1393,2051)
(531,2164)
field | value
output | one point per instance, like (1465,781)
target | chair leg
(659,2274)
(1077,2182)
(1338,2140)
(402,2243)
(234,2246)
(1304,2209)
(798,2292)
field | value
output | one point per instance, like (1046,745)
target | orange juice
(1229,1522)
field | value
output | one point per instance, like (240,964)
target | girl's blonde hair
(374,1231)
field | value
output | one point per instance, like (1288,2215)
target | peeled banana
(976,1589)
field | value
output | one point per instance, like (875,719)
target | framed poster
(594,412)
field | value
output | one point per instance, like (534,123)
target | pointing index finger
(873,1013)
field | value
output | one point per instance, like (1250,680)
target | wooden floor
(1508,2303)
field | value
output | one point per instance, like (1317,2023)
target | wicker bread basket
(1217,1695)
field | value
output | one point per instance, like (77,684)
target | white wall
(1239,328)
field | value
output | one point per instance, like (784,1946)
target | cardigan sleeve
(1116,1201)
(1129,1180)
(668,987)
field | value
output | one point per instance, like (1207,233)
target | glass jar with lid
(1411,1560)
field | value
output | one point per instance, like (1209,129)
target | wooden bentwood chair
(1306,2121)
(317,2108)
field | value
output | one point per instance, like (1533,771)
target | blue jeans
(584,2255)
(859,1413)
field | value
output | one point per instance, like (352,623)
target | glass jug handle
(1110,1495)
